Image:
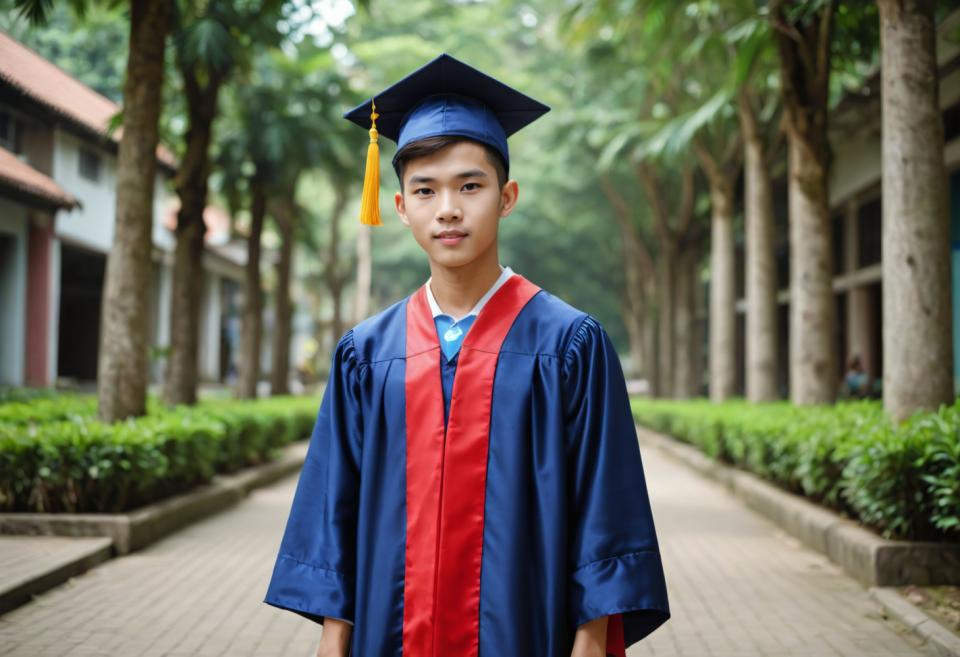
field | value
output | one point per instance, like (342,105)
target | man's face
(452,203)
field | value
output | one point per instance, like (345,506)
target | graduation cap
(443,97)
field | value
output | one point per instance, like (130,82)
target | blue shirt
(451,331)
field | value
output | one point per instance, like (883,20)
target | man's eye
(475,185)
(422,189)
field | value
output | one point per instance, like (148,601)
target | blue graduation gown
(486,514)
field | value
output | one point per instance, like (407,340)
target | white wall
(857,163)
(92,225)
(209,345)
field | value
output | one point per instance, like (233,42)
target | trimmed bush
(903,482)
(55,456)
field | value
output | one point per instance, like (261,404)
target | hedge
(901,481)
(55,456)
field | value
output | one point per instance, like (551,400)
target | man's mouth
(451,236)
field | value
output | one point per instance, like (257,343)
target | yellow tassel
(370,202)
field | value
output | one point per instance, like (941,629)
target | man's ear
(508,197)
(400,208)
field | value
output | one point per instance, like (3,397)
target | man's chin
(453,260)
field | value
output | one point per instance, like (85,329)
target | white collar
(505,273)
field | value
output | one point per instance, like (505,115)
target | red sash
(447,472)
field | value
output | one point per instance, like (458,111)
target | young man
(473,485)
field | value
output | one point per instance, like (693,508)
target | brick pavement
(738,587)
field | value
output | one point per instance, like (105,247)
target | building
(57,218)
(856,210)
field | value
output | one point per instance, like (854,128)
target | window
(951,123)
(11,133)
(89,164)
(870,221)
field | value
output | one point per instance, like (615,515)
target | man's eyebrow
(420,179)
(472,173)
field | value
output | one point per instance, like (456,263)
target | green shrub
(55,456)
(903,482)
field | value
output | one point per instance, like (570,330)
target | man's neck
(458,289)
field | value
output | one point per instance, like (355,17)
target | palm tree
(257,136)
(803,34)
(212,41)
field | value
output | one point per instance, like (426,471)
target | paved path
(738,587)
(741,587)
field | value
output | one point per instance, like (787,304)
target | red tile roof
(51,86)
(216,221)
(25,178)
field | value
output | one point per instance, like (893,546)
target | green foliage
(903,481)
(55,456)
(88,42)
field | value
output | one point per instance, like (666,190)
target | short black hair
(430,145)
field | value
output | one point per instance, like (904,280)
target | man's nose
(449,208)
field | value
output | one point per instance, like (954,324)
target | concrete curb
(870,559)
(88,554)
(127,532)
(945,642)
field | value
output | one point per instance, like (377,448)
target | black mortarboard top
(443,97)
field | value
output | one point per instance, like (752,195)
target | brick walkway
(738,587)
(741,587)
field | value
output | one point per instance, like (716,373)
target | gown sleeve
(315,571)
(614,556)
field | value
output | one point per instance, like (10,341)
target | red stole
(446,474)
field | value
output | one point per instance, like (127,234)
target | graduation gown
(482,507)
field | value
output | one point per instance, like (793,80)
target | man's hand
(591,639)
(334,638)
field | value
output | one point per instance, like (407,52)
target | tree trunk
(639,272)
(631,319)
(699,322)
(252,329)
(666,319)
(180,383)
(335,280)
(286,216)
(361,307)
(685,349)
(180,376)
(122,368)
(722,294)
(670,239)
(721,172)
(813,359)
(917,343)
(804,53)
(649,322)
(761,274)
(635,306)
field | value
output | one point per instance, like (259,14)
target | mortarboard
(443,97)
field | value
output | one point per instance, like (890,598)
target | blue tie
(451,333)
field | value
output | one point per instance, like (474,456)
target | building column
(53,337)
(39,287)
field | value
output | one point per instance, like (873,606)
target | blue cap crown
(453,114)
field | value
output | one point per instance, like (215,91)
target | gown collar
(505,273)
